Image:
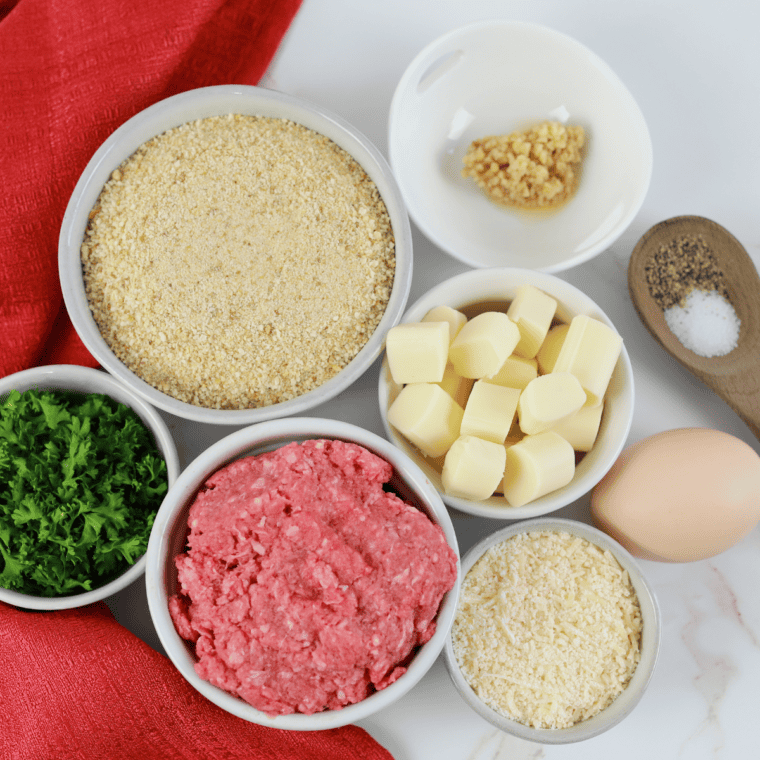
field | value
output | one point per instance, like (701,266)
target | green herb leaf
(80,482)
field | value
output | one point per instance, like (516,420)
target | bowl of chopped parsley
(84,466)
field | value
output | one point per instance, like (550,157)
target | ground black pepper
(685,264)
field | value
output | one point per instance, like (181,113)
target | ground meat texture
(238,261)
(306,586)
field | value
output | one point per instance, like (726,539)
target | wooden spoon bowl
(734,376)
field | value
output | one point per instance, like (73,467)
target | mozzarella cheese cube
(516,372)
(532,311)
(427,417)
(483,344)
(455,318)
(580,429)
(473,468)
(548,400)
(590,351)
(550,348)
(417,352)
(536,466)
(490,411)
(456,386)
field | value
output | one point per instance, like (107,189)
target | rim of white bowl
(432,52)
(560,290)
(209,101)
(624,704)
(257,438)
(93,381)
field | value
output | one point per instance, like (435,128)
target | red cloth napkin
(76,685)
(71,71)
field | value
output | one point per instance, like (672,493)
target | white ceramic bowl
(86,380)
(201,103)
(500,285)
(494,77)
(650,641)
(169,535)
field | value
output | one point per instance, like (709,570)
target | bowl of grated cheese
(557,631)
(234,254)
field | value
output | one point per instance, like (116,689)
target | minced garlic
(537,168)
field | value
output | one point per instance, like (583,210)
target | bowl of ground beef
(303,574)
(234,254)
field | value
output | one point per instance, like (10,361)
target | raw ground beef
(306,586)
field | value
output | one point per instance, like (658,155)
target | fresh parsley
(81,480)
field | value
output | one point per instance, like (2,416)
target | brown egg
(681,495)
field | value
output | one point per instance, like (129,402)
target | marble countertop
(694,69)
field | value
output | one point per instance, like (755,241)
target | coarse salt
(706,324)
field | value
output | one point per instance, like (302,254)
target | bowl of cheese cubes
(510,388)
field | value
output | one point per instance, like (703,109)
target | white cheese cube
(483,344)
(417,352)
(580,429)
(590,351)
(547,400)
(550,348)
(536,466)
(455,319)
(532,311)
(427,417)
(456,386)
(473,468)
(516,372)
(490,411)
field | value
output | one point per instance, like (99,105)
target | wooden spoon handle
(741,391)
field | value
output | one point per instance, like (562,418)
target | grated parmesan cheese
(548,629)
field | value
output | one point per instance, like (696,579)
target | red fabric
(76,685)
(71,71)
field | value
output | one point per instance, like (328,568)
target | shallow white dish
(87,380)
(500,285)
(169,535)
(650,641)
(494,77)
(201,103)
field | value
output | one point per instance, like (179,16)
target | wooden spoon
(735,376)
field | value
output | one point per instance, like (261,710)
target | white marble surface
(694,69)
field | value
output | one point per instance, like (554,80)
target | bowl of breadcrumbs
(556,633)
(515,145)
(234,254)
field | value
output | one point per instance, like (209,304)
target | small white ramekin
(499,285)
(650,641)
(87,380)
(493,77)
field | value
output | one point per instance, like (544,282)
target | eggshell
(680,495)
